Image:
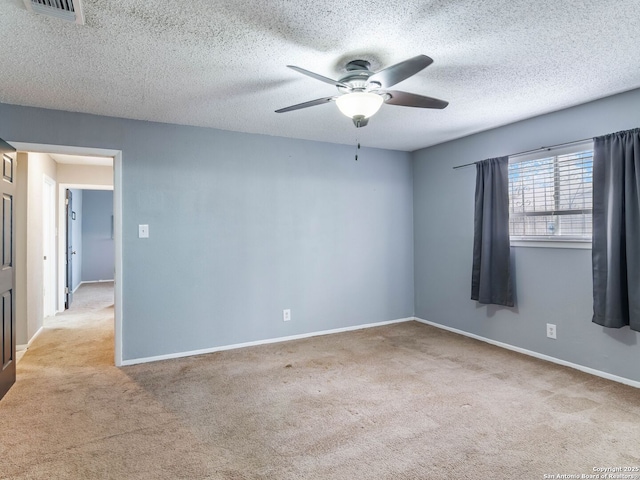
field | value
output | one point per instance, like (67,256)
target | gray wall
(552,285)
(242,226)
(76,238)
(98,248)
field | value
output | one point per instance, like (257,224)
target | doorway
(89,242)
(76,179)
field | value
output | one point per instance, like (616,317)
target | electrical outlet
(286,314)
(551,330)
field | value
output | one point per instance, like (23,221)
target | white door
(49,245)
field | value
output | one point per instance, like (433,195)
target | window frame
(552,241)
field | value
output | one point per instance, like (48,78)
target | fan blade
(319,77)
(312,103)
(400,71)
(406,99)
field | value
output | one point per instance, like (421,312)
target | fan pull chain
(357,148)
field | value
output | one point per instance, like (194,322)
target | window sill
(575,244)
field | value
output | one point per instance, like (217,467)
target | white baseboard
(89,281)
(35,335)
(531,353)
(135,361)
(25,346)
(95,281)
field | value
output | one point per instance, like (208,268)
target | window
(550,198)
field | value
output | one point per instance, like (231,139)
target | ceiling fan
(362,92)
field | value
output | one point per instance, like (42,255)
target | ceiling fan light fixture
(359,104)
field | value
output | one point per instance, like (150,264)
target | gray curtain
(616,230)
(491,274)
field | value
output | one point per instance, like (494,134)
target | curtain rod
(532,151)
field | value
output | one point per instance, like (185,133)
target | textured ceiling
(222,63)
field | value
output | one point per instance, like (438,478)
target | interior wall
(76,237)
(552,285)
(37,165)
(243,226)
(22,334)
(85,174)
(98,253)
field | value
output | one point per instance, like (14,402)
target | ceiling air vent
(69,10)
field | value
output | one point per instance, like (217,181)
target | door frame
(65,291)
(62,240)
(117,221)
(49,232)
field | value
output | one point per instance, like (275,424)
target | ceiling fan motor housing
(357,65)
(357,77)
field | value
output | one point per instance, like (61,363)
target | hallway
(85,331)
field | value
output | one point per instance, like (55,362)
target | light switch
(143,231)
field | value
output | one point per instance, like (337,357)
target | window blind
(551,196)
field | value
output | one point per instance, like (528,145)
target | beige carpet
(405,401)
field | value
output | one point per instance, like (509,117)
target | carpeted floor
(405,401)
